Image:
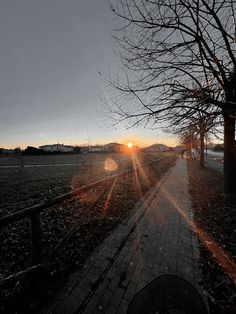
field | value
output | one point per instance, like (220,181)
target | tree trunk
(191,149)
(202,150)
(206,144)
(229,159)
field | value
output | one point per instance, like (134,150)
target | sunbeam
(107,201)
(137,182)
(217,252)
(141,170)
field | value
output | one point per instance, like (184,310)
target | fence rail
(34,213)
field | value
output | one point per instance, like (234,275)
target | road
(213,162)
(216,154)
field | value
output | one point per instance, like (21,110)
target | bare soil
(44,177)
(218,221)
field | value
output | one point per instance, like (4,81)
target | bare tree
(173,48)
(189,140)
(197,123)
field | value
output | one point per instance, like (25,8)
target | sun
(130,145)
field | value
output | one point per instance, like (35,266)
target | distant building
(84,150)
(179,148)
(113,148)
(30,150)
(157,148)
(57,148)
(95,149)
(91,149)
(6,151)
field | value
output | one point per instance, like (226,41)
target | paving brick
(102,288)
(116,299)
(105,300)
(92,305)
(69,305)
(123,307)
(130,292)
(115,279)
(161,242)
(111,309)
(80,292)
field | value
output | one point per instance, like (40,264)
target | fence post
(105,185)
(36,239)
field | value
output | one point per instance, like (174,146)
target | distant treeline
(30,150)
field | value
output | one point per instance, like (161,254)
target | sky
(50,89)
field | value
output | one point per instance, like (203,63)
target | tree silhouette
(199,124)
(174,52)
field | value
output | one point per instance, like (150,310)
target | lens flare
(110,164)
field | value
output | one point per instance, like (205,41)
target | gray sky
(51,51)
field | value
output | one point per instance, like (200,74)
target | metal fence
(34,213)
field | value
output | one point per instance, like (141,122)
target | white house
(57,148)
(95,149)
(113,147)
(157,148)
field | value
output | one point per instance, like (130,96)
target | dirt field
(43,177)
(93,223)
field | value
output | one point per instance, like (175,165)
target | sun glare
(110,164)
(130,145)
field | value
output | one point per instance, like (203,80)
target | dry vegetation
(218,221)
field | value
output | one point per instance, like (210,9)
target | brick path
(155,240)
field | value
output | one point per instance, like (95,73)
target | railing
(34,212)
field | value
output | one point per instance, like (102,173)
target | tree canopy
(179,57)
